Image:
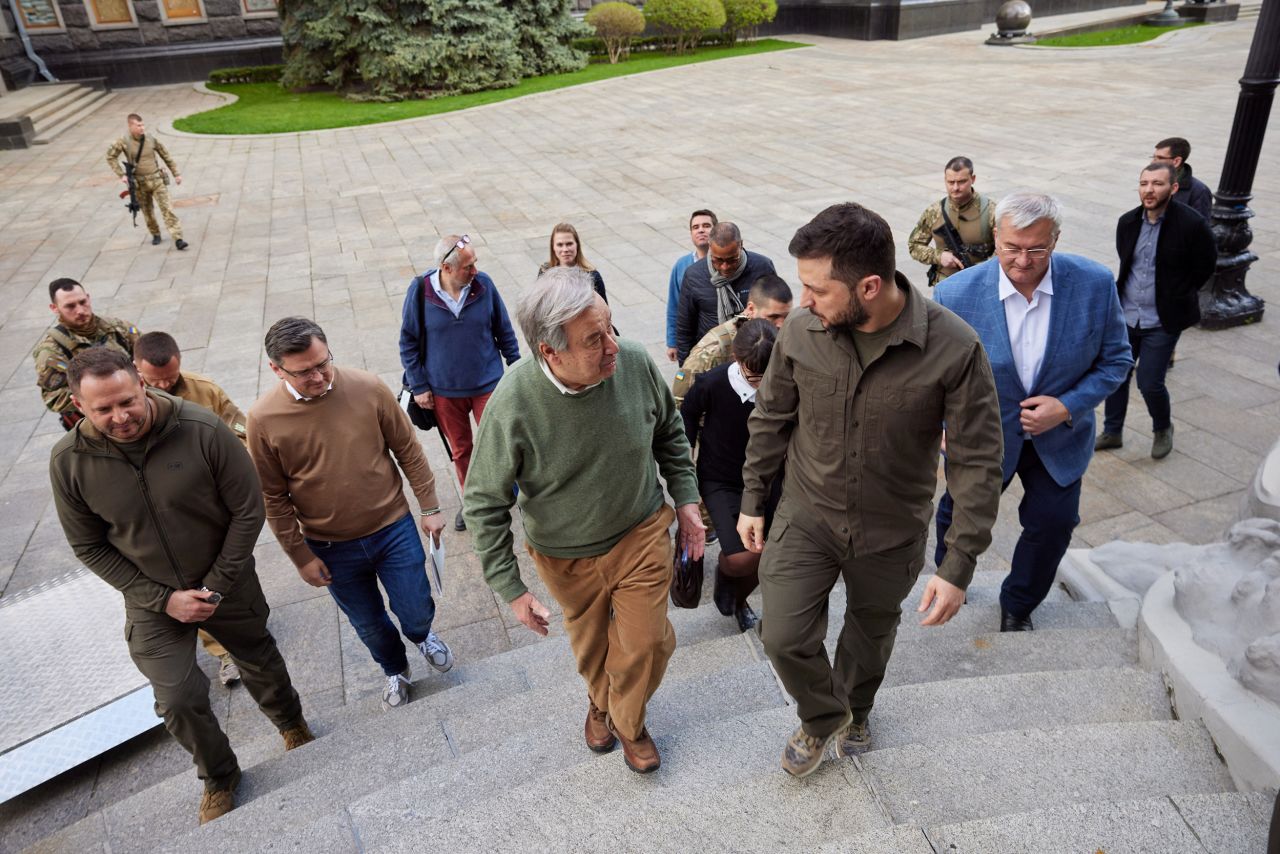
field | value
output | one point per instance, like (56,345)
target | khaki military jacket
(975,221)
(60,345)
(205,392)
(715,348)
(145,165)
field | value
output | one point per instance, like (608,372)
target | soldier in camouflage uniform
(150,180)
(769,297)
(77,328)
(971,215)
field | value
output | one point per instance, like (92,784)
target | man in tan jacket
(150,180)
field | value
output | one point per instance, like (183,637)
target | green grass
(1110,38)
(266,108)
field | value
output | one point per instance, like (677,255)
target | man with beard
(861,379)
(1166,254)
(716,291)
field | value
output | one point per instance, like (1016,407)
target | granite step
(960,778)
(70,116)
(1222,823)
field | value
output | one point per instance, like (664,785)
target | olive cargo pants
(164,650)
(153,188)
(802,560)
(615,614)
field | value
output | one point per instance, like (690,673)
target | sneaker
(803,753)
(436,652)
(397,691)
(297,736)
(220,801)
(1161,444)
(228,672)
(853,740)
(1107,441)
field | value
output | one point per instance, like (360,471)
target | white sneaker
(228,671)
(397,691)
(436,652)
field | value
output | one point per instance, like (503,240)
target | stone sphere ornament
(1013,18)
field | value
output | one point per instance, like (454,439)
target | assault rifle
(968,253)
(132,205)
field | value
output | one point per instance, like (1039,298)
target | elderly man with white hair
(1054,331)
(453,338)
(583,428)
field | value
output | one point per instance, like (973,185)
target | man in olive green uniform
(964,237)
(150,181)
(861,380)
(77,328)
(159,363)
(769,297)
(192,564)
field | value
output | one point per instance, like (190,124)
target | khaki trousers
(155,188)
(802,560)
(211,646)
(615,614)
(164,650)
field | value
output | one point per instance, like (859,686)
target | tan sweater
(326,466)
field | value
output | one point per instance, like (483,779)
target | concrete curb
(1245,727)
(1086,582)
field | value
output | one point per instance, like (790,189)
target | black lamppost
(1226,302)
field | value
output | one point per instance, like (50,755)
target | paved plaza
(334,224)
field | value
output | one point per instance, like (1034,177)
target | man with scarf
(716,291)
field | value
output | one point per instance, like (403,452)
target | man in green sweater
(579,428)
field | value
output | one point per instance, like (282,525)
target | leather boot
(640,755)
(724,593)
(596,730)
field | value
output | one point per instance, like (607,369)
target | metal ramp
(68,689)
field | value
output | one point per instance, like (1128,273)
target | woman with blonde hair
(566,251)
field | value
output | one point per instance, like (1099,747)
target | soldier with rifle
(954,232)
(146,179)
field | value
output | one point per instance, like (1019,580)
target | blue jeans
(1049,514)
(1152,349)
(394,556)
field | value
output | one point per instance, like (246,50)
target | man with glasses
(323,442)
(700,224)
(1055,333)
(1191,191)
(716,291)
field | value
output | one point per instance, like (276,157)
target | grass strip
(1113,38)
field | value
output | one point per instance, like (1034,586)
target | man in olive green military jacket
(150,181)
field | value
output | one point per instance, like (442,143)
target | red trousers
(452,414)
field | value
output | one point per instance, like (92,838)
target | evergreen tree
(545,31)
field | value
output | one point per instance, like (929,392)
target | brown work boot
(804,753)
(599,738)
(219,801)
(296,736)
(640,755)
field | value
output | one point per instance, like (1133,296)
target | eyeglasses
(1032,254)
(463,242)
(318,370)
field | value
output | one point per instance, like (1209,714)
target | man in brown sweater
(322,441)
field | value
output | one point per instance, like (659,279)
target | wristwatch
(211,597)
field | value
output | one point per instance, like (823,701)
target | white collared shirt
(1028,325)
(564,389)
(746,391)
(454,305)
(297,395)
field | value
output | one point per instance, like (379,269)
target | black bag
(686,581)
(423,419)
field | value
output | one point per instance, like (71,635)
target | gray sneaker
(804,753)
(228,672)
(1161,443)
(854,740)
(1108,441)
(436,652)
(396,693)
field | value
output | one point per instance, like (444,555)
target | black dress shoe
(155,240)
(723,594)
(1010,623)
(180,243)
(746,617)
(459,524)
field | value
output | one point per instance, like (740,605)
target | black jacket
(1193,192)
(1185,259)
(696,315)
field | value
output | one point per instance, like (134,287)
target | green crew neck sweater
(585,464)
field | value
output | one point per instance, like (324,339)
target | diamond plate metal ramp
(68,689)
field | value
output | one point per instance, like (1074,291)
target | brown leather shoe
(220,801)
(297,736)
(640,755)
(599,738)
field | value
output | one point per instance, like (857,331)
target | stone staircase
(1051,741)
(38,114)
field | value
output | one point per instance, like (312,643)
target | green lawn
(266,108)
(1109,38)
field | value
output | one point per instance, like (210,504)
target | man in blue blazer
(1055,335)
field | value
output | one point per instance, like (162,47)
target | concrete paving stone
(1230,821)
(984,618)
(44,810)
(991,774)
(1115,827)
(1205,521)
(894,840)
(89,836)
(1218,452)
(1116,527)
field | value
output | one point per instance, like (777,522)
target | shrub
(544,31)
(742,17)
(596,48)
(248,74)
(682,22)
(616,24)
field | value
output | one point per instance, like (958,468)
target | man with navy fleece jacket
(453,338)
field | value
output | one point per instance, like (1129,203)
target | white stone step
(33,100)
(959,777)
(1224,823)
(64,121)
(52,112)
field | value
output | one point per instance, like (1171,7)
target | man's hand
(531,612)
(692,533)
(124,179)
(177,179)
(315,573)
(1041,414)
(432,526)
(949,261)
(946,599)
(425,400)
(189,606)
(751,532)
(671,354)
